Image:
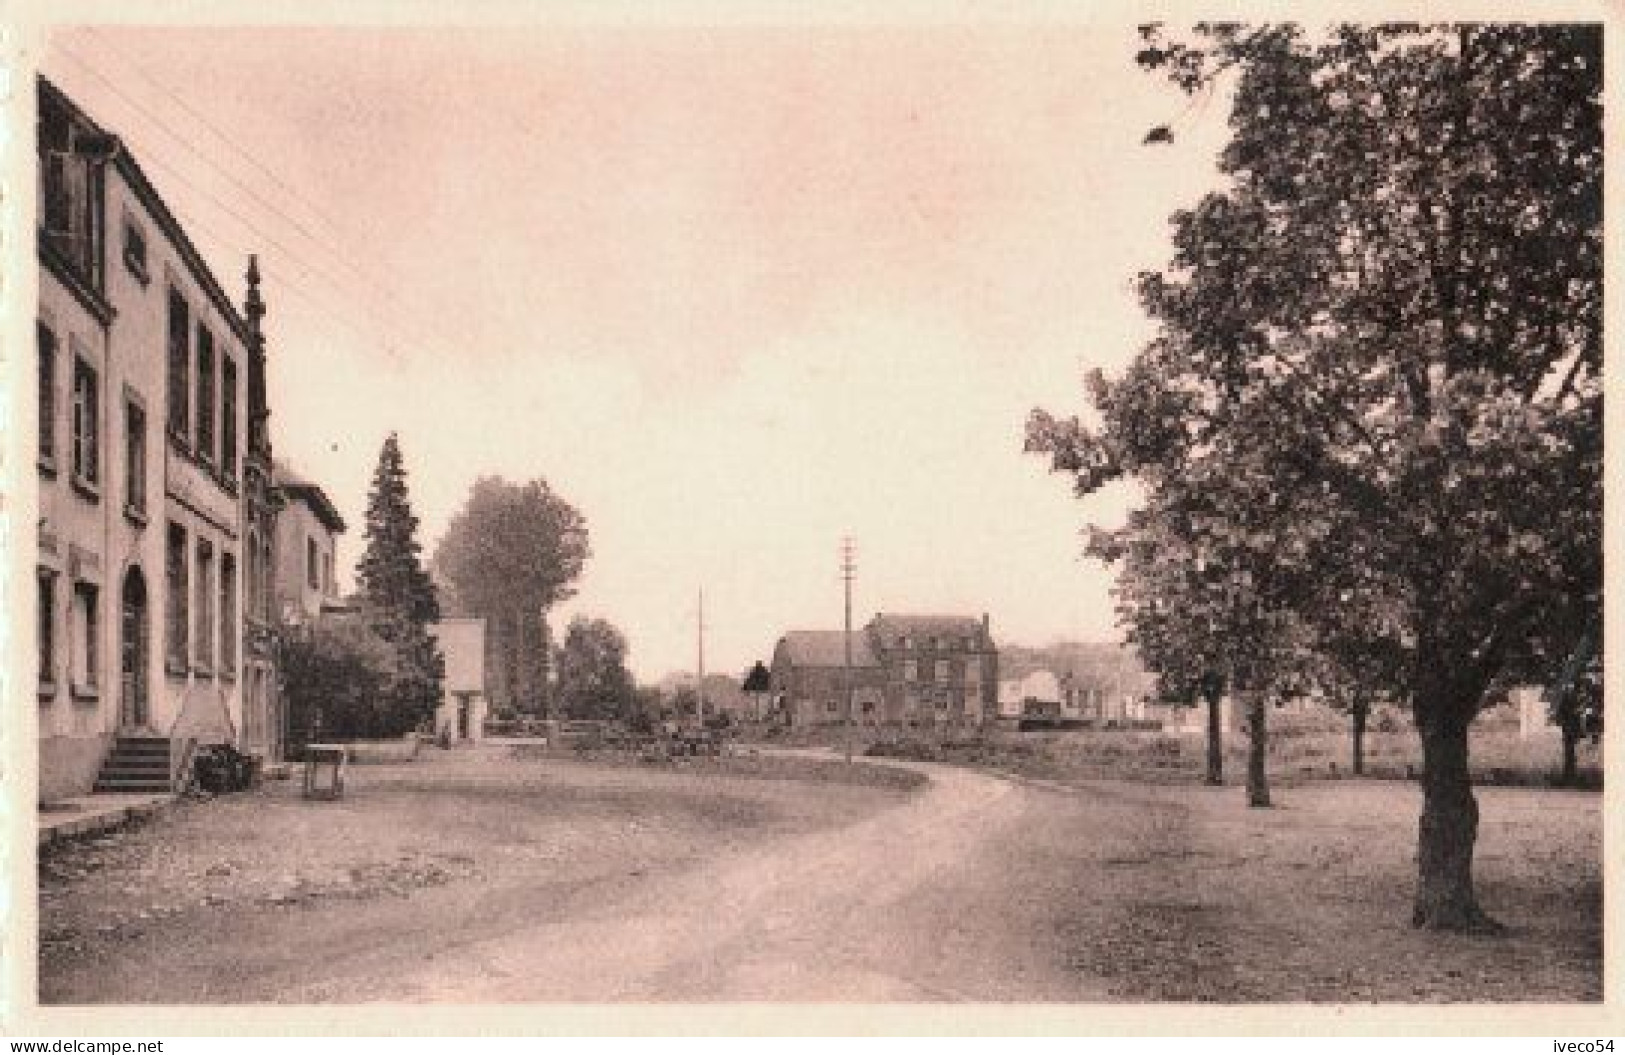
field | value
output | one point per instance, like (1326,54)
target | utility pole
(848,566)
(699,688)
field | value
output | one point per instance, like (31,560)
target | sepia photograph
(693,511)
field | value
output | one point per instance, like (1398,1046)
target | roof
(826,648)
(127,166)
(308,491)
(925,625)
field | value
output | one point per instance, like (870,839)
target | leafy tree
(593,679)
(396,593)
(1576,701)
(1378,369)
(337,678)
(511,554)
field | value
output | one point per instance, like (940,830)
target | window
(71,177)
(205,394)
(175,616)
(973,671)
(942,671)
(86,646)
(203,607)
(228,612)
(46,580)
(86,441)
(47,397)
(180,360)
(911,670)
(135,250)
(312,565)
(135,459)
(228,417)
(327,574)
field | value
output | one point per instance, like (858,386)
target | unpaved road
(877,911)
(490,878)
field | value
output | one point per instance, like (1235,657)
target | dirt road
(885,909)
(480,880)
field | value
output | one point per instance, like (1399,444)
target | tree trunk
(1258,785)
(1361,712)
(1571,738)
(1215,740)
(1449,827)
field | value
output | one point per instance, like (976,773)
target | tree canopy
(593,679)
(513,547)
(1375,388)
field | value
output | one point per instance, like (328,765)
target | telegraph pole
(699,688)
(848,566)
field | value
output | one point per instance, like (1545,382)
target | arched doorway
(133,638)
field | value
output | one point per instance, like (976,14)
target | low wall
(68,764)
(376,752)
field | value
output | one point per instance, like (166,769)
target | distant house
(461,714)
(307,531)
(1037,694)
(1106,692)
(908,670)
(808,677)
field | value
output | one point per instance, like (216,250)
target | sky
(734,292)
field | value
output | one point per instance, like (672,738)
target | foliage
(396,594)
(511,554)
(338,678)
(1374,401)
(593,679)
(757,679)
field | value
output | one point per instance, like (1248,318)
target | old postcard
(762,520)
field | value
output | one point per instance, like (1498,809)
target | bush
(221,768)
(338,679)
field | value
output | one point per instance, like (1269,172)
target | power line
(186,143)
(293,192)
(310,267)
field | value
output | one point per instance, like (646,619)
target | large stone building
(151,384)
(907,670)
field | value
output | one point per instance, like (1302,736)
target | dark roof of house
(889,626)
(294,485)
(826,648)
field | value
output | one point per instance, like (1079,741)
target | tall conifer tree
(397,591)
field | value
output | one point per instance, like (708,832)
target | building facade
(308,526)
(808,678)
(460,718)
(143,380)
(908,670)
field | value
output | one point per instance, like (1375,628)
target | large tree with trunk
(511,554)
(1378,366)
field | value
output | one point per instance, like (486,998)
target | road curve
(906,905)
